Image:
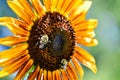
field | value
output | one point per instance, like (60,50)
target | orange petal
(72,5)
(47,4)
(65,5)
(49,75)
(11,60)
(14,51)
(85,62)
(57,73)
(64,75)
(25,68)
(83,53)
(78,67)
(72,71)
(19,10)
(15,29)
(27,8)
(33,75)
(86,41)
(40,75)
(85,58)
(38,6)
(53,75)
(85,33)
(45,75)
(12,40)
(78,18)
(83,8)
(11,68)
(85,25)
(70,74)
(11,20)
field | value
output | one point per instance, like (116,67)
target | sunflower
(47,38)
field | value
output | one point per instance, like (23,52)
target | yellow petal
(15,21)
(33,75)
(9,61)
(78,67)
(25,68)
(45,74)
(85,58)
(86,41)
(3,60)
(38,6)
(15,29)
(85,25)
(20,11)
(40,75)
(59,5)
(57,74)
(47,4)
(64,75)
(54,5)
(12,40)
(83,8)
(14,66)
(14,51)
(49,75)
(27,8)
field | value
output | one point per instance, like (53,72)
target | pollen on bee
(63,63)
(44,39)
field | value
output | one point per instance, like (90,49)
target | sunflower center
(51,41)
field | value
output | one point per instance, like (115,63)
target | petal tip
(95,69)
(95,42)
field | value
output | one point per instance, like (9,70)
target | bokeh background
(107,53)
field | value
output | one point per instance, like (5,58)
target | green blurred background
(107,53)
